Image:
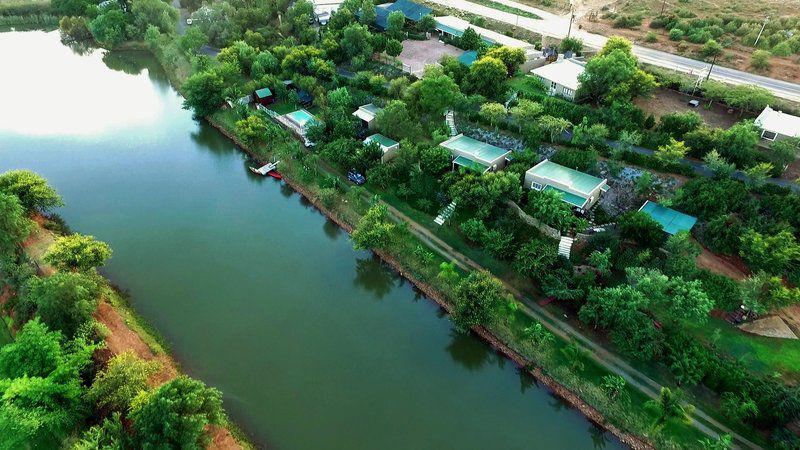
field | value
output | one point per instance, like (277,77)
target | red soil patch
(720,265)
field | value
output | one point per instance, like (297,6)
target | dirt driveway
(418,54)
(665,101)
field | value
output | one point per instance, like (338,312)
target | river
(314,345)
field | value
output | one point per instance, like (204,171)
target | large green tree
(203,93)
(31,189)
(14,225)
(78,253)
(65,301)
(125,377)
(434,92)
(478,300)
(614,75)
(176,415)
(374,229)
(487,76)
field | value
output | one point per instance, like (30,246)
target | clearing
(417,54)
(666,101)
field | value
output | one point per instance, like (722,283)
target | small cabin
(366,115)
(264,96)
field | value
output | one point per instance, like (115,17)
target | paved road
(556,26)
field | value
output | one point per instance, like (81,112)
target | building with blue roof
(412,11)
(672,221)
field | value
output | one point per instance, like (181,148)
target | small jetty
(268,169)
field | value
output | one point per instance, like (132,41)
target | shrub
(675,34)
(760,60)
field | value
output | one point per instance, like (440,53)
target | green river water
(314,345)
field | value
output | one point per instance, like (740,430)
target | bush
(626,21)
(675,34)
(760,60)
(578,159)
(641,228)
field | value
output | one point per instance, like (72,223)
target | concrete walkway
(556,26)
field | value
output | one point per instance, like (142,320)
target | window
(537,186)
(569,92)
(553,85)
(769,135)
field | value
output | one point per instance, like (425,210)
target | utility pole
(766,19)
(713,61)
(663,5)
(571,17)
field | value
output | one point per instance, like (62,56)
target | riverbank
(124,331)
(527,365)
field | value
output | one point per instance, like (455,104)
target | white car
(189,21)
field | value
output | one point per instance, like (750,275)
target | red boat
(275,175)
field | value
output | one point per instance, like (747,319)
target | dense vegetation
(53,388)
(629,283)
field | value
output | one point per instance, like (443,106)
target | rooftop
(569,197)
(367,112)
(385,142)
(672,221)
(456,26)
(412,11)
(470,164)
(479,150)
(564,72)
(577,181)
(468,57)
(263,92)
(779,122)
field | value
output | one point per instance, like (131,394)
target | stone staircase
(445,214)
(565,246)
(450,118)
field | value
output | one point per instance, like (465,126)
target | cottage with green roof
(672,221)
(389,146)
(264,96)
(475,155)
(367,114)
(579,189)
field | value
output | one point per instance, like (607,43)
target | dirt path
(719,265)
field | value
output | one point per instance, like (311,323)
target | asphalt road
(556,26)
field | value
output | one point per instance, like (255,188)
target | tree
(771,253)
(31,189)
(65,301)
(760,60)
(41,397)
(374,229)
(427,23)
(434,92)
(203,93)
(251,130)
(586,135)
(669,407)
(487,76)
(77,252)
(477,301)
(614,74)
(396,120)
(394,47)
(525,112)
(601,261)
(471,40)
(447,272)
(395,23)
(176,414)
(145,13)
(681,299)
(108,28)
(757,174)
(192,40)
(575,356)
(121,381)
(571,44)
(671,153)
(783,152)
(711,49)
(738,407)
(368,14)
(356,41)
(535,258)
(512,57)
(110,434)
(14,226)
(683,253)
(555,126)
(641,228)
(678,124)
(483,194)
(549,207)
(493,113)
(723,442)
(613,385)
(721,168)
(434,159)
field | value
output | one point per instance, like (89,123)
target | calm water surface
(314,345)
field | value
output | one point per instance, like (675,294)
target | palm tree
(669,406)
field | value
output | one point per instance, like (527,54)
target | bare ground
(719,265)
(665,101)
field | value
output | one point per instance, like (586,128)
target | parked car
(694,103)
(356,177)
(189,21)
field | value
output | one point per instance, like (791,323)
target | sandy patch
(719,265)
(772,326)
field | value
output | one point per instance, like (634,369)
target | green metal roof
(412,11)
(578,181)
(672,221)
(480,150)
(381,140)
(467,58)
(263,93)
(569,197)
(470,164)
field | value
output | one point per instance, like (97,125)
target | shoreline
(528,366)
